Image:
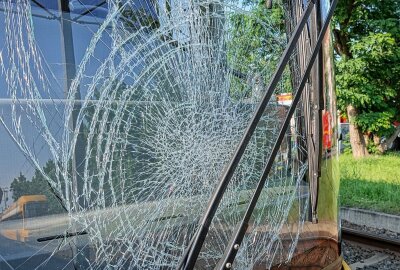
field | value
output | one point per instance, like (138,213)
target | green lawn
(371,183)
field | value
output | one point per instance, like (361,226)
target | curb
(371,219)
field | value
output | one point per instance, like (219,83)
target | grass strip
(371,183)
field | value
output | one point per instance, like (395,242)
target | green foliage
(379,123)
(347,145)
(371,183)
(257,41)
(37,186)
(369,81)
(20,187)
(372,148)
(358,18)
(131,17)
(367,39)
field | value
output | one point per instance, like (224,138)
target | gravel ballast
(354,253)
(357,254)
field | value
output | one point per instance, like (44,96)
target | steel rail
(371,239)
(190,255)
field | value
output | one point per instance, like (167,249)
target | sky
(47,34)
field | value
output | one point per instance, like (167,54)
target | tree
(257,41)
(38,186)
(20,187)
(367,35)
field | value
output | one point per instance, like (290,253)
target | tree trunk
(366,138)
(357,141)
(377,143)
(388,143)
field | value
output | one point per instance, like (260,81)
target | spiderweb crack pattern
(159,117)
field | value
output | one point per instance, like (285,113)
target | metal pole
(316,119)
(68,55)
(77,166)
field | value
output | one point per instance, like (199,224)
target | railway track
(371,239)
(364,250)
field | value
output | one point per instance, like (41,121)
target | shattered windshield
(117,120)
